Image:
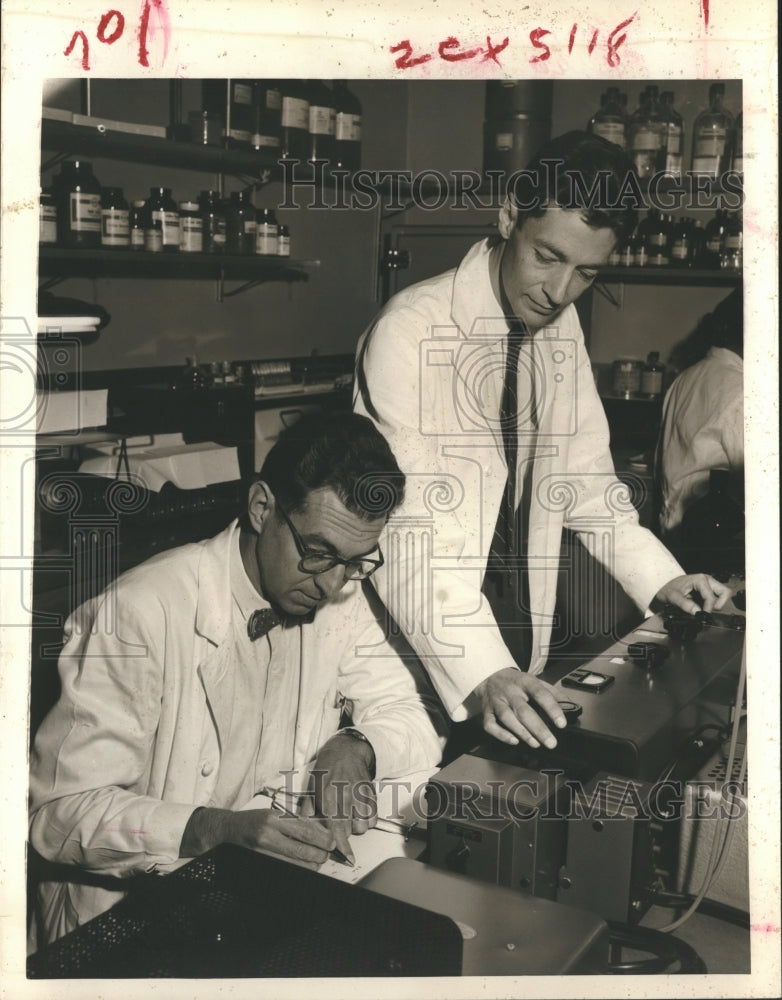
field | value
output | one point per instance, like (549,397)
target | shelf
(668,276)
(89,140)
(56,262)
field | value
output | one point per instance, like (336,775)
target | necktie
(262,621)
(505,584)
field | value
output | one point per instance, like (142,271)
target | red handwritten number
(592,43)
(493,50)
(572,38)
(535,37)
(453,43)
(85,48)
(404,61)
(143,30)
(104,23)
(614,42)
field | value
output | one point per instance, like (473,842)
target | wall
(413,125)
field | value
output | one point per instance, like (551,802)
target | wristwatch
(356,734)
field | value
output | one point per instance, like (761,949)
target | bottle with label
(322,121)
(137,224)
(711,135)
(647,136)
(214,106)
(283,242)
(610,122)
(674,135)
(347,136)
(738,145)
(652,375)
(240,224)
(77,193)
(212,221)
(732,249)
(657,240)
(239,128)
(294,120)
(627,252)
(191,228)
(114,219)
(47,219)
(626,377)
(162,208)
(267,109)
(681,243)
(266,233)
(715,229)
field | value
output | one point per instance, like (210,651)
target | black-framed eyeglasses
(314,562)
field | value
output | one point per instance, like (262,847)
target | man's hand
(507,713)
(343,792)
(677,591)
(260,830)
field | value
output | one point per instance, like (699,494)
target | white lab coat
(430,374)
(134,743)
(702,429)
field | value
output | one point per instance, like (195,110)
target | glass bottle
(347,135)
(162,208)
(191,228)
(240,121)
(213,221)
(738,145)
(698,255)
(732,249)
(674,135)
(609,121)
(77,193)
(657,240)
(681,243)
(137,224)
(647,135)
(47,219)
(266,233)
(652,375)
(294,120)
(283,242)
(715,229)
(114,219)
(711,134)
(322,121)
(267,107)
(214,102)
(240,224)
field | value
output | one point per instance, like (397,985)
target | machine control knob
(456,859)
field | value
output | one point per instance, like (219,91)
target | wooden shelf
(668,276)
(58,262)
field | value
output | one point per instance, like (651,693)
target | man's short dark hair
(342,451)
(578,170)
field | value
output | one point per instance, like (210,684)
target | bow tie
(262,621)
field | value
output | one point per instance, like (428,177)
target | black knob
(456,860)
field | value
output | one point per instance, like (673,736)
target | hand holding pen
(334,853)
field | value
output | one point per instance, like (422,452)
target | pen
(335,853)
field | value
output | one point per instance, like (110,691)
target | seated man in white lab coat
(480,380)
(207,672)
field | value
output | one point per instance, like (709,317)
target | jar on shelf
(161,208)
(191,228)
(266,233)
(114,219)
(626,377)
(240,224)
(137,224)
(347,127)
(294,120)
(77,193)
(47,219)
(657,240)
(681,243)
(267,108)
(283,242)
(322,121)
(732,250)
(652,374)
(213,221)
(715,228)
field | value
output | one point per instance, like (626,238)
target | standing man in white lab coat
(471,577)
